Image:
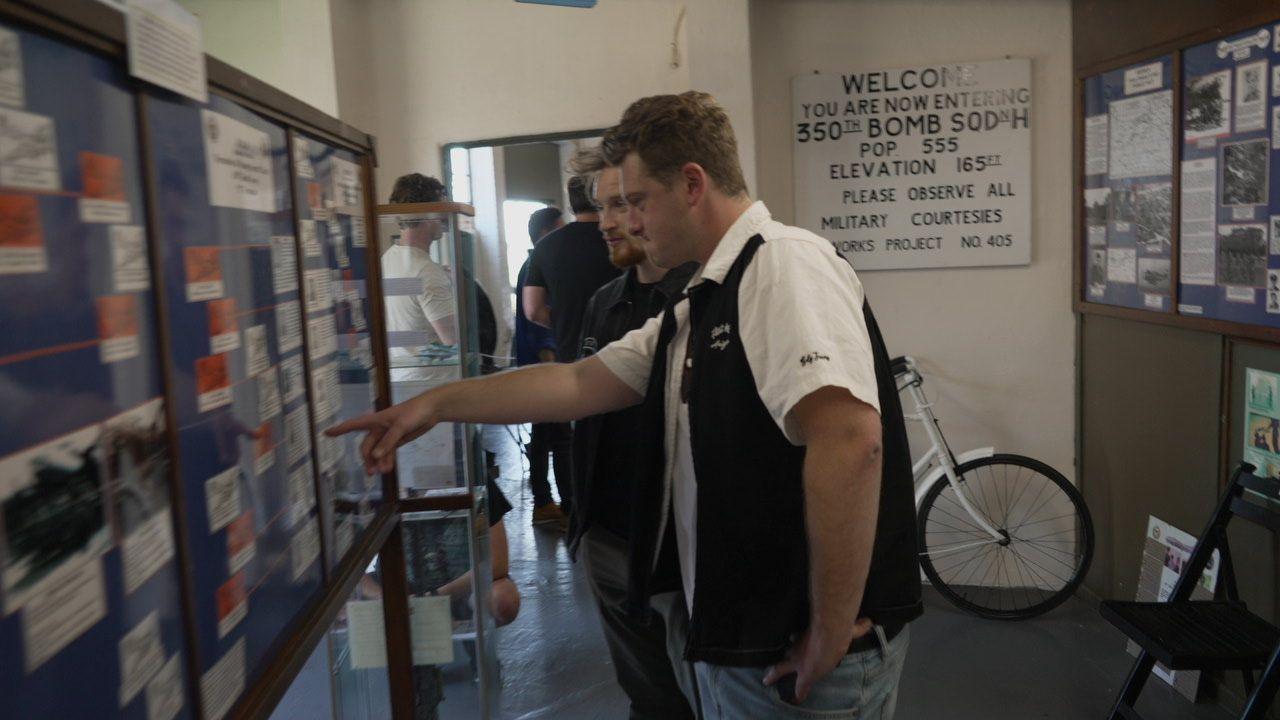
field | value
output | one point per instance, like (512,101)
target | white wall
(998,344)
(285,43)
(419,74)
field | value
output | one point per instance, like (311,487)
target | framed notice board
(1230,245)
(88,572)
(228,253)
(1128,186)
(1195,241)
(177,536)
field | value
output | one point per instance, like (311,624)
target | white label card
(165,696)
(12,85)
(318,289)
(257,357)
(268,395)
(222,498)
(292,379)
(64,610)
(147,549)
(284,264)
(238,162)
(222,684)
(130,270)
(296,436)
(95,210)
(288,326)
(28,151)
(141,657)
(302,159)
(166,47)
(358,236)
(323,336)
(1143,78)
(310,243)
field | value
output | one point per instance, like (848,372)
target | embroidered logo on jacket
(590,346)
(716,332)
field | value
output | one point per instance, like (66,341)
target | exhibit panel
(1128,186)
(334,240)
(228,255)
(88,570)
(1230,201)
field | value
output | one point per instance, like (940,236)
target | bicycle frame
(924,470)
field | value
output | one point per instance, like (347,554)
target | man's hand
(546,355)
(815,654)
(388,430)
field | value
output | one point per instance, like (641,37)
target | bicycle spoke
(1037,522)
(959,507)
(957,517)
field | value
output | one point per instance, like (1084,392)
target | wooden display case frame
(99,28)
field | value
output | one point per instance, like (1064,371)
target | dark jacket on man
(604,446)
(752,594)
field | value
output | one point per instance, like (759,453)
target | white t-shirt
(419,291)
(800,311)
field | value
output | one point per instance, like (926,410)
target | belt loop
(882,640)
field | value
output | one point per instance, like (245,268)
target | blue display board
(1128,186)
(91,625)
(1230,260)
(229,258)
(335,244)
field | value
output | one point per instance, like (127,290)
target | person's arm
(540,393)
(536,309)
(447,329)
(842,438)
(437,303)
(533,296)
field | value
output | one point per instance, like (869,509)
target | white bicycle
(1002,536)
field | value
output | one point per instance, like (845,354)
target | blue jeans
(864,686)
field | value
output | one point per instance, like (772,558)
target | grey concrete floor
(1067,665)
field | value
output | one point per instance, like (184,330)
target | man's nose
(634,225)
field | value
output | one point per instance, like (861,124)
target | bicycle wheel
(1046,539)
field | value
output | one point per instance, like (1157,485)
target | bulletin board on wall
(173,342)
(1177,148)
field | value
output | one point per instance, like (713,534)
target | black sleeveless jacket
(752,564)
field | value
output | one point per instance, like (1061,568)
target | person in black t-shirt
(565,270)
(646,655)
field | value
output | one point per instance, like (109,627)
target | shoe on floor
(550,514)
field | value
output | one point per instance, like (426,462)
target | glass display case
(433,319)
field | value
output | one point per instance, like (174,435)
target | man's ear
(695,182)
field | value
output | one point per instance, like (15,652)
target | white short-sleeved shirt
(801,326)
(413,313)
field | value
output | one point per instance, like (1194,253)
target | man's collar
(729,247)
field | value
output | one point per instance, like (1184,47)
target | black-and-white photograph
(1208,106)
(1154,275)
(1275,234)
(1095,206)
(1097,272)
(1244,172)
(1242,255)
(59,513)
(1153,217)
(1251,83)
(136,461)
(1120,205)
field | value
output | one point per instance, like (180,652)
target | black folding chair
(1202,635)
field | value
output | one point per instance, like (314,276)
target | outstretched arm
(551,392)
